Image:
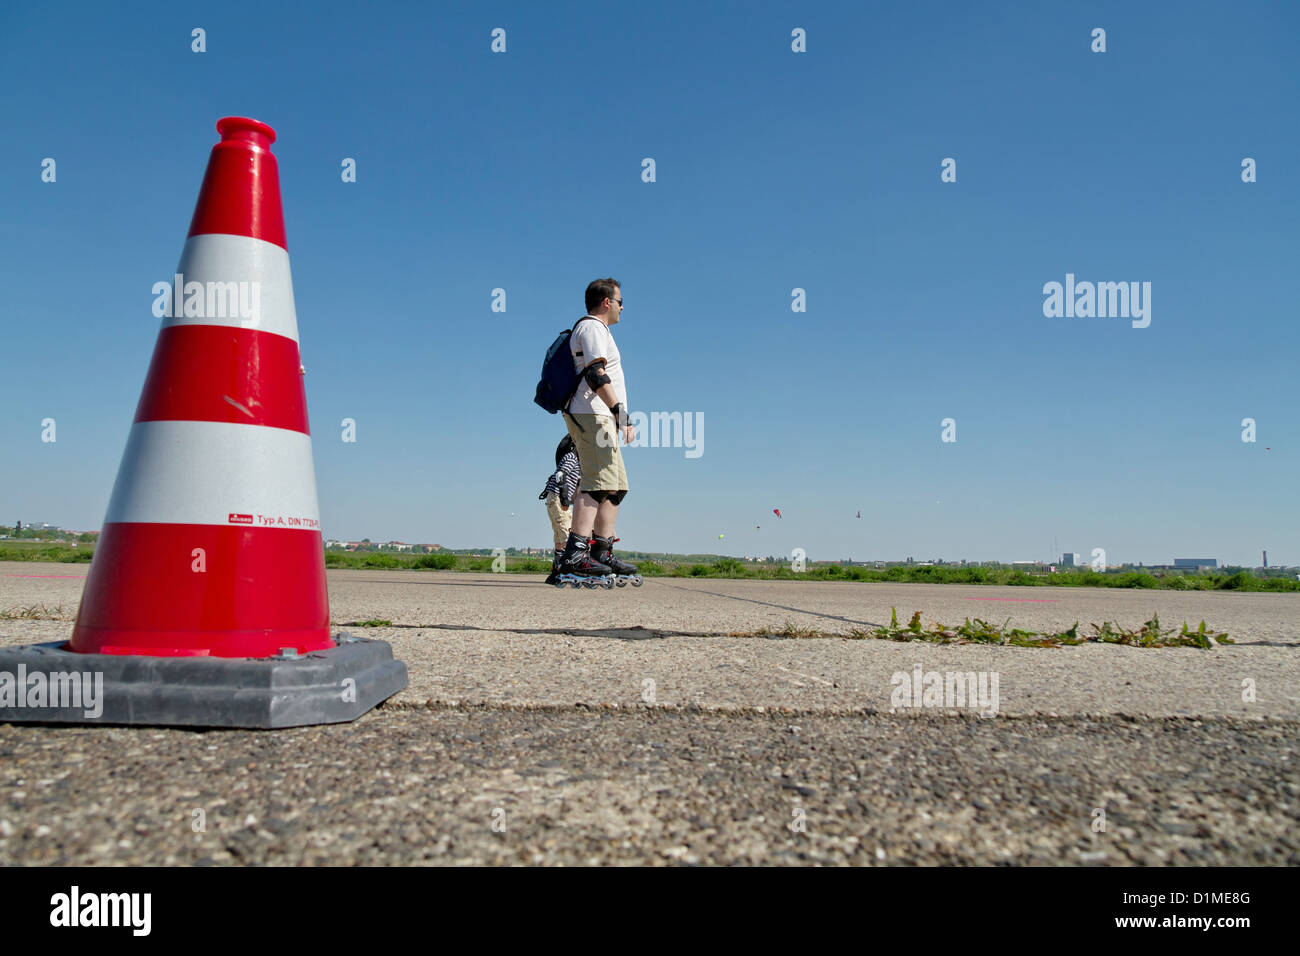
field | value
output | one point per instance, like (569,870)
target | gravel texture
(627,727)
(571,786)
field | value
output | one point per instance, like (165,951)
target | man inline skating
(597,419)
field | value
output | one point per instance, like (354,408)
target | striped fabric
(565,481)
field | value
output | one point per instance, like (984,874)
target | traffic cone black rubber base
(43,683)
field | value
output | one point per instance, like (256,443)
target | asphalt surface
(574,727)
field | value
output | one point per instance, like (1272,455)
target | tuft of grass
(373,622)
(788,629)
(34,612)
(1151,635)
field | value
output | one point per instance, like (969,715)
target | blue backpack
(559,381)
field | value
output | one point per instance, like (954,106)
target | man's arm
(606,391)
(607,395)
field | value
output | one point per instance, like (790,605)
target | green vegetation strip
(39,551)
(1149,634)
(661,566)
(1238,580)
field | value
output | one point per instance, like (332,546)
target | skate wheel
(636,581)
(589,583)
(609,583)
(621,582)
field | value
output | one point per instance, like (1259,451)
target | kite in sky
(777,512)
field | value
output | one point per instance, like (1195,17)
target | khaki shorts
(602,462)
(561,519)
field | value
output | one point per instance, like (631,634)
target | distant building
(1196,563)
(1070,559)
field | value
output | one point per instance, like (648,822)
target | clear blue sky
(775,170)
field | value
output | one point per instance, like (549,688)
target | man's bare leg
(585,514)
(606,516)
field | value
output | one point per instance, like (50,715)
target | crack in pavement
(635,632)
(783,607)
(639,632)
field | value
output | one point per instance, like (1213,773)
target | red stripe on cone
(213,373)
(240,194)
(262,589)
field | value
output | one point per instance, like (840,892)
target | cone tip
(244,128)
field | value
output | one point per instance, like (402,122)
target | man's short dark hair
(599,291)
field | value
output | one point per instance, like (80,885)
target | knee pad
(616,497)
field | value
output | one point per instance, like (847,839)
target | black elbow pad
(596,376)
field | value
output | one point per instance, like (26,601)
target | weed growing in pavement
(789,629)
(980,631)
(373,622)
(34,612)
(1149,634)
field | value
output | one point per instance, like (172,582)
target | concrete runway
(625,726)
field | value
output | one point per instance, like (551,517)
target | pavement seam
(646,633)
(745,710)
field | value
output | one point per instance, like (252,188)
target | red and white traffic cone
(212,542)
(212,547)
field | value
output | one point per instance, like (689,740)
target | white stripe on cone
(219,258)
(179,472)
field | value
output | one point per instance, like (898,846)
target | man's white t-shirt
(592,341)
